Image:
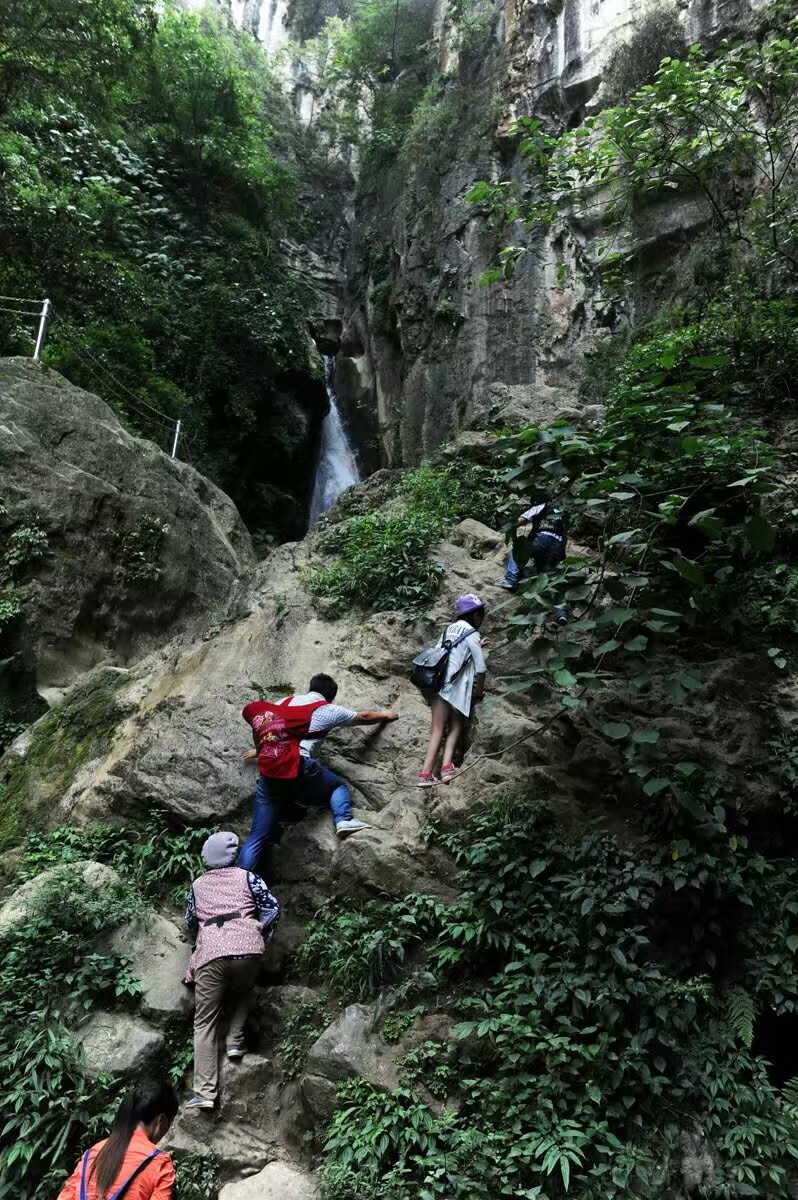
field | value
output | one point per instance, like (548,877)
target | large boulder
(349,1049)
(243,1131)
(25,900)
(117,1043)
(277,1181)
(159,958)
(71,468)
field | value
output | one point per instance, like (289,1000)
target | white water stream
(336,468)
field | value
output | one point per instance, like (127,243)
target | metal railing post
(177,439)
(40,336)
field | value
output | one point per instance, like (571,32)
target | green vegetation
(53,974)
(377,63)
(606,1000)
(149,168)
(717,128)
(197,1177)
(22,547)
(68,736)
(137,551)
(383,556)
(300,1027)
(157,860)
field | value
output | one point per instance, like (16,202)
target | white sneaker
(344,828)
(199,1104)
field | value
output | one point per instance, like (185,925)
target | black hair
(475,612)
(141,1106)
(325,685)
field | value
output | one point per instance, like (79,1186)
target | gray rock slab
(277,1181)
(118,1043)
(349,1048)
(159,958)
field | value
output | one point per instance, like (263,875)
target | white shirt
(465,661)
(330,716)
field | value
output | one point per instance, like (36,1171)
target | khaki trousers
(224,984)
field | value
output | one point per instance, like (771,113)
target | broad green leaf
(615,729)
(653,787)
(760,533)
(689,570)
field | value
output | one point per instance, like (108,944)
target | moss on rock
(34,778)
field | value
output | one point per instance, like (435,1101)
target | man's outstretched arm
(374,718)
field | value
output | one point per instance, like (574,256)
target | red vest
(277,730)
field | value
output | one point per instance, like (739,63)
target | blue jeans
(315,786)
(547,553)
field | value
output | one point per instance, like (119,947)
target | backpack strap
(142,1165)
(463,637)
(84,1175)
(447,645)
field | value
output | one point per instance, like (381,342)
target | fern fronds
(741,1013)
(790,1092)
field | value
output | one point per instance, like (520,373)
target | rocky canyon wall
(425,349)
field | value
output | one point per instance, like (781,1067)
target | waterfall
(336,468)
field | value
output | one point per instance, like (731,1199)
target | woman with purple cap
(465,684)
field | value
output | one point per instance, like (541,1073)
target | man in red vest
(286,734)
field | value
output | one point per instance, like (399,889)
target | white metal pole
(177,439)
(43,319)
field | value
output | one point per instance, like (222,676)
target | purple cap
(467,604)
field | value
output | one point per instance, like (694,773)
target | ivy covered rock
(27,898)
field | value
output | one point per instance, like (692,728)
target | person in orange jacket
(128,1163)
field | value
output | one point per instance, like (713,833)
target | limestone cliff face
(425,350)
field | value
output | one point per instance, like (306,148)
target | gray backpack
(430,667)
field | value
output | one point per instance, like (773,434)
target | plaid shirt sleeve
(267,905)
(192,923)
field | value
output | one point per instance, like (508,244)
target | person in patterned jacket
(232,914)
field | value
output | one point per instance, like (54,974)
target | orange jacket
(156,1181)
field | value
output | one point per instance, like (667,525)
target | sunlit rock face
(265,19)
(426,350)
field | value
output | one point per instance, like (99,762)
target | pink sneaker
(427,779)
(448,772)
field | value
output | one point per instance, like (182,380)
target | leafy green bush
(157,860)
(383,559)
(300,1027)
(137,551)
(606,1000)
(52,974)
(656,35)
(149,200)
(25,544)
(197,1177)
(357,951)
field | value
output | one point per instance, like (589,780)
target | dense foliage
(604,1001)
(146,183)
(716,130)
(382,557)
(54,974)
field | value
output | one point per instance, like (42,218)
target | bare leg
(455,732)
(440,715)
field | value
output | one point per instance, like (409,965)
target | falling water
(337,468)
